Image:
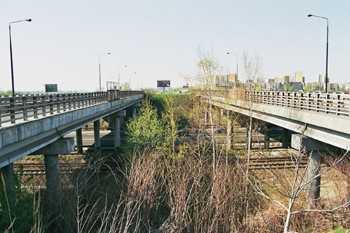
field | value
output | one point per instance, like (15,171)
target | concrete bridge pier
(134,109)
(79,137)
(53,185)
(314,150)
(97,138)
(285,138)
(117,119)
(266,139)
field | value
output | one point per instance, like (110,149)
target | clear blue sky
(158,39)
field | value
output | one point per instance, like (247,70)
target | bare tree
(252,72)
(292,186)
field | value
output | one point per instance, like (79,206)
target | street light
(326,78)
(12,75)
(120,87)
(99,66)
(237,64)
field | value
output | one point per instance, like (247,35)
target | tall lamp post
(326,78)
(12,75)
(237,64)
(120,86)
(99,67)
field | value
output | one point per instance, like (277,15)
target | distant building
(346,86)
(332,87)
(233,78)
(299,78)
(282,79)
(226,80)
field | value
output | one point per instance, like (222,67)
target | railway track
(284,162)
(65,168)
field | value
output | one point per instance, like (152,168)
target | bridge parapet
(329,103)
(25,137)
(323,117)
(21,108)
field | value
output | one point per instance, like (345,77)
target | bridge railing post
(82,101)
(326,109)
(51,104)
(58,101)
(24,108)
(269,98)
(73,101)
(82,96)
(35,107)
(63,101)
(43,104)
(318,102)
(337,111)
(90,99)
(295,104)
(12,111)
(94,98)
(76,101)
(69,101)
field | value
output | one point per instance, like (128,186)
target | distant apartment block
(226,80)
(299,78)
(332,86)
(282,79)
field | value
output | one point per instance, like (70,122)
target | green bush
(16,217)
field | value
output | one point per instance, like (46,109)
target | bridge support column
(267,140)
(313,149)
(285,138)
(117,124)
(134,110)
(97,136)
(79,137)
(7,172)
(53,185)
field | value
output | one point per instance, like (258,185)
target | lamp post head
(309,15)
(29,20)
(108,53)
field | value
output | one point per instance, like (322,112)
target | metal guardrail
(329,103)
(23,107)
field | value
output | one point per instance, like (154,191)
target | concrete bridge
(29,123)
(320,120)
(320,116)
(37,123)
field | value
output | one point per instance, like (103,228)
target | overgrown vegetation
(169,182)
